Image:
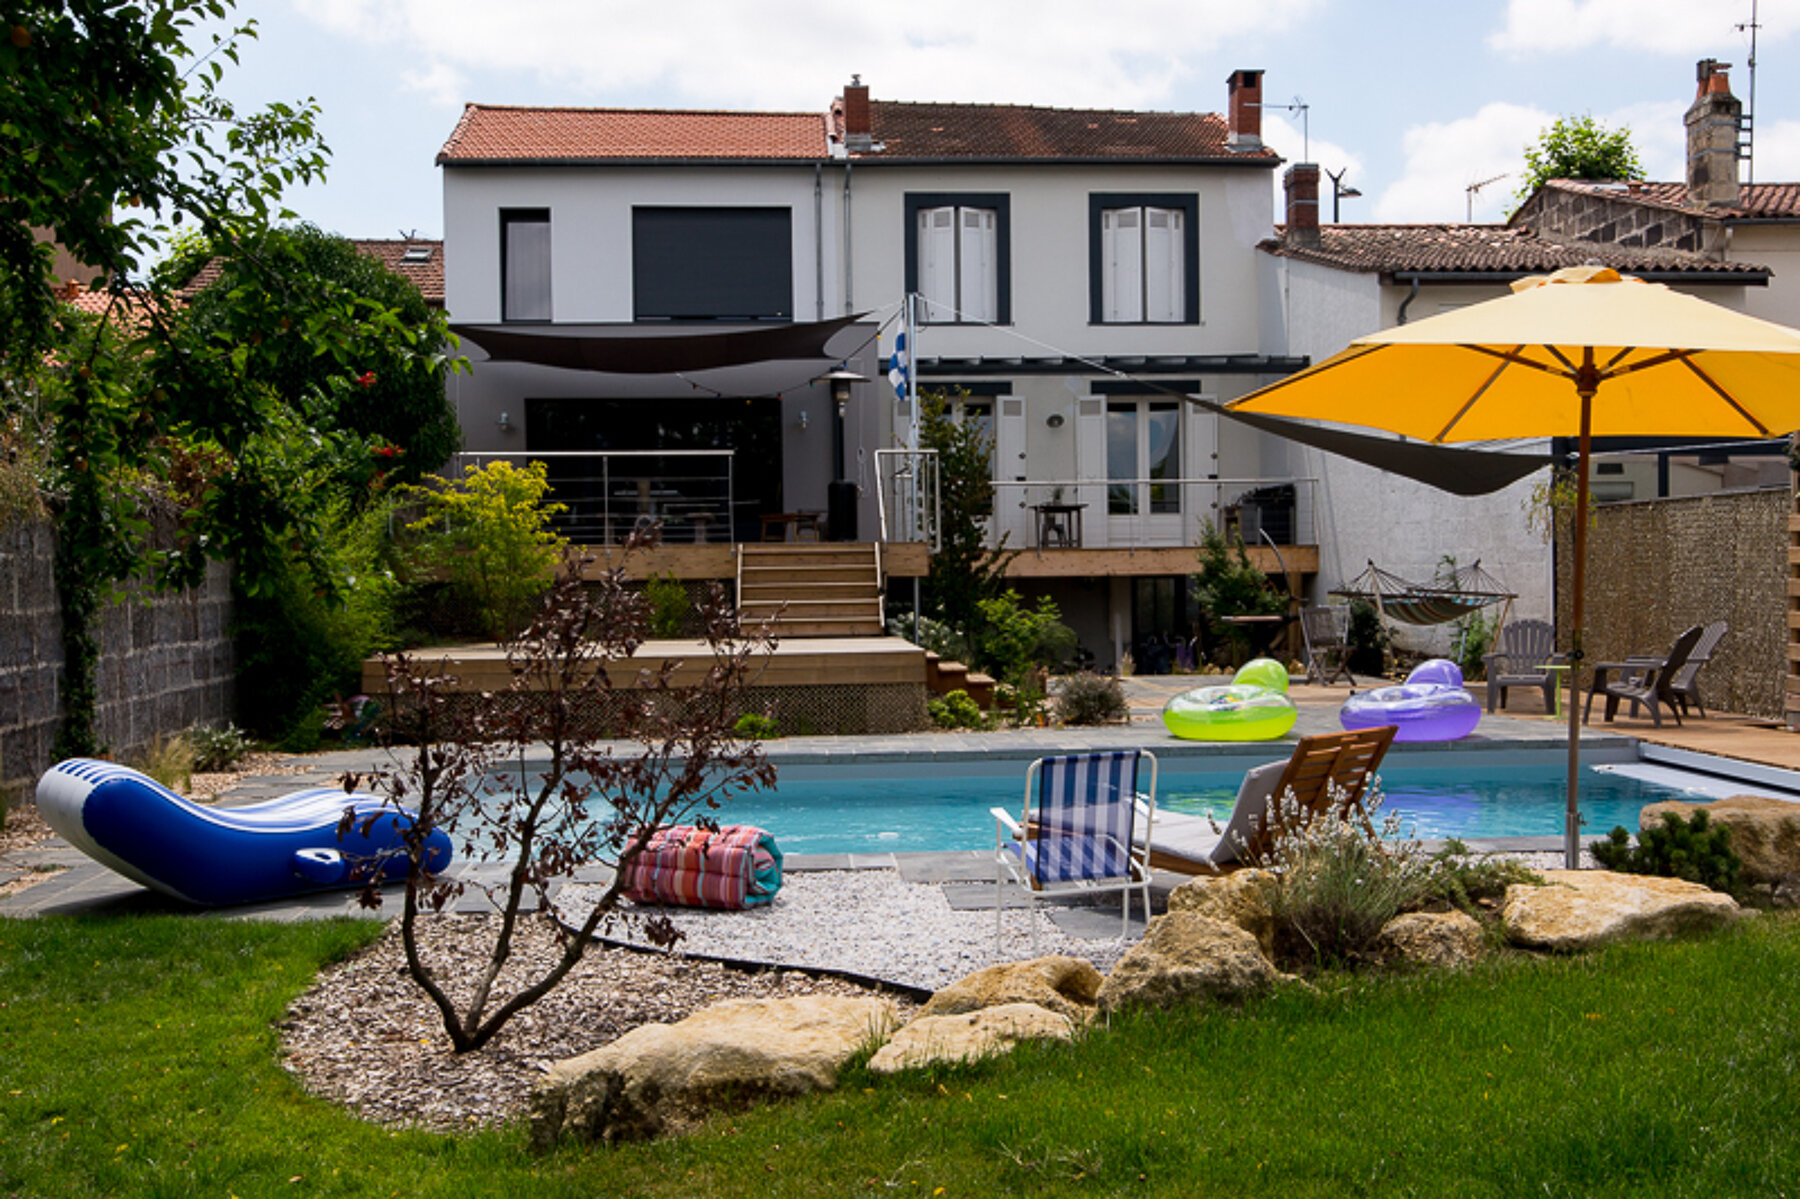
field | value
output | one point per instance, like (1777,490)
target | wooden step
(829,628)
(789,576)
(810,609)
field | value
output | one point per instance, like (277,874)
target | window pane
(525,292)
(1121,458)
(712,263)
(1162,446)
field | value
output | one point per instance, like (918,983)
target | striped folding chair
(1084,830)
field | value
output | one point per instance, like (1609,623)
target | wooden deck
(796,662)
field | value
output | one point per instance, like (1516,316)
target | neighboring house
(1079,272)
(418,260)
(1335,282)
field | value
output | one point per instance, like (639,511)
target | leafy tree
(964,571)
(1579,148)
(1229,584)
(522,775)
(112,134)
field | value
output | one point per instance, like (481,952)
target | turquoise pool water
(814,813)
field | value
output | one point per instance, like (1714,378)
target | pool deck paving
(77,885)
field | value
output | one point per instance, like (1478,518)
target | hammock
(1468,590)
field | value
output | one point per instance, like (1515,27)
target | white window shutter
(1122,252)
(1162,264)
(980,265)
(937,262)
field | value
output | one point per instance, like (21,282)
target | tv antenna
(1300,106)
(1747,144)
(1475,187)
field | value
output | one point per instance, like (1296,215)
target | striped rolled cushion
(737,867)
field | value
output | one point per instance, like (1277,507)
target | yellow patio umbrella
(1581,353)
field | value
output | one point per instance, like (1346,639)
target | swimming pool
(826,810)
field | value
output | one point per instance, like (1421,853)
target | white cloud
(1777,152)
(795,54)
(1444,158)
(1540,27)
(439,83)
(1286,138)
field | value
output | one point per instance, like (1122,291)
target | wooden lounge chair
(1084,824)
(1526,648)
(1646,681)
(1346,761)
(1327,633)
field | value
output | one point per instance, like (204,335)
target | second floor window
(712,264)
(958,258)
(1143,257)
(525,264)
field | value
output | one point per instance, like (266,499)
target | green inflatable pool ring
(1245,710)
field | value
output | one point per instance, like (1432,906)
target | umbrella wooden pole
(1586,382)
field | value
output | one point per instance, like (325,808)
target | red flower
(366,379)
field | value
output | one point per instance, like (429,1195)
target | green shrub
(669,605)
(933,635)
(1229,584)
(1089,698)
(1015,641)
(1368,639)
(1696,850)
(218,749)
(1463,880)
(489,534)
(170,761)
(956,711)
(754,726)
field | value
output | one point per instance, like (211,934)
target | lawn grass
(137,1057)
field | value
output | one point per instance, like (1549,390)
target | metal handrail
(701,501)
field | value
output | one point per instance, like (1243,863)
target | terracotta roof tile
(489,133)
(1479,249)
(426,273)
(1012,131)
(1756,201)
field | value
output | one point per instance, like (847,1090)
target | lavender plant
(523,776)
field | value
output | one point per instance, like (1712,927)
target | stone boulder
(1765,833)
(662,1078)
(1446,940)
(1583,908)
(1185,958)
(1067,986)
(1241,898)
(969,1036)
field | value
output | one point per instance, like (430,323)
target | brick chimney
(1243,119)
(858,131)
(1302,184)
(1713,122)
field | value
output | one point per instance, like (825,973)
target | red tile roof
(426,273)
(1756,201)
(491,133)
(1013,131)
(1484,249)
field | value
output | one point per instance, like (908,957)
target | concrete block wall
(165,664)
(1657,567)
(1594,218)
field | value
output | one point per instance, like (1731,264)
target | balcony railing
(610,493)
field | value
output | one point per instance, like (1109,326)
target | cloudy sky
(1414,101)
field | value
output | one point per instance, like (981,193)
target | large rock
(1441,939)
(969,1036)
(1185,957)
(661,1078)
(1583,908)
(1067,986)
(1241,898)
(1765,833)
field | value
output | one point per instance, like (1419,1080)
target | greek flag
(897,366)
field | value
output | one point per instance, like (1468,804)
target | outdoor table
(1556,692)
(1261,630)
(1060,523)
(777,525)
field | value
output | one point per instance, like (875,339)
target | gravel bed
(867,923)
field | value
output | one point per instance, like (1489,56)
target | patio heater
(841,494)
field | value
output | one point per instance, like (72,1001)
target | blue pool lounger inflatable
(220,856)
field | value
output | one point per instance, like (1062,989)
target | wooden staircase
(828,589)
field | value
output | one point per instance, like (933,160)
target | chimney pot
(1302,185)
(1243,117)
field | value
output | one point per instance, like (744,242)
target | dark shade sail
(1457,471)
(664,354)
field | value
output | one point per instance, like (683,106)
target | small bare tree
(575,763)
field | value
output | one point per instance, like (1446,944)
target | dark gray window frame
(1001,203)
(786,213)
(1189,203)
(523,216)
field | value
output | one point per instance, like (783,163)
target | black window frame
(1001,203)
(786,313)
(1189,203)
(532,216)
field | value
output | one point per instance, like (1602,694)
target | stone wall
(1589,217)
(165,665)
(1657,567)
